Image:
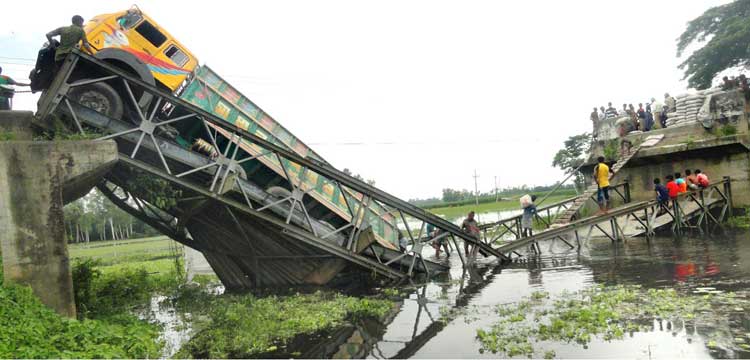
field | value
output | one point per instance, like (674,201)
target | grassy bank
(115,280)
(112,279)
(457,211)
(29,329)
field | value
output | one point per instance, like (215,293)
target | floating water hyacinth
(604,312)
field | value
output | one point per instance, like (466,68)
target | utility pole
(476,188)
(496,198)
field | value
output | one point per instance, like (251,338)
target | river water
(439,317)
(419,329)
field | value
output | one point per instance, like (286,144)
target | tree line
(95,218)
(454,196)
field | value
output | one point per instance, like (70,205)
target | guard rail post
(677,216)
(728,194)
(626,190)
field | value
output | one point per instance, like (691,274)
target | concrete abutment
(36,179)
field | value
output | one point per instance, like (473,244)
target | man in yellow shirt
(601,176)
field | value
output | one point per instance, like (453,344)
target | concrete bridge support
(36,179)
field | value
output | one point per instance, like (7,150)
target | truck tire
(100,97)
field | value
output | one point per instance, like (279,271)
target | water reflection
(440,318)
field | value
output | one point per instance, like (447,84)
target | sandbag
(525,201)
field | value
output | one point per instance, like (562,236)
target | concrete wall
(18,123)
(35,179)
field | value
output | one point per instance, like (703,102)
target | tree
(571,157)
(359,177)
(725,31)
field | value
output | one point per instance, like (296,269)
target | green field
(452,212)
(155,254)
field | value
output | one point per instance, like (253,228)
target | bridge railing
(544,216)
(220,177)
(582,228)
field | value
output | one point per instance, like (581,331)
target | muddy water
(722,262)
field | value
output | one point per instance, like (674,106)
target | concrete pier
(36,179)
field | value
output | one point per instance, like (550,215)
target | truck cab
(141,43)
(133,42)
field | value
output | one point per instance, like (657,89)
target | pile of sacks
(691,108)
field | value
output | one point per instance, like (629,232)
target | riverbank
(450,212)
(116,285)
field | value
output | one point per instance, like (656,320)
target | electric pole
(496,198)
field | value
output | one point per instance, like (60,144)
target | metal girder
(291,230)
(319,167)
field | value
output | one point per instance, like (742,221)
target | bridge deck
(639,219)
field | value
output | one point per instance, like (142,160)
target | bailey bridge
(255,237)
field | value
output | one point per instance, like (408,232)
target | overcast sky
(414,94)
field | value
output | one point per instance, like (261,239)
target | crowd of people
(693,180)
(677,184)
(652,116)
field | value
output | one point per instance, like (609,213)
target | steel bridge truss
(493,232)
(614,223)
(220,177)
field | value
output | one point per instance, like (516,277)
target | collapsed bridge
(262,207)
(264,211)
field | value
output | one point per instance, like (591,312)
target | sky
(416,95)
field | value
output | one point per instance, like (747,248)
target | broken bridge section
(253,231)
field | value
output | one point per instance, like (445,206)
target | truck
(135,43)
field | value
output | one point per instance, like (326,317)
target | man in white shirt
(656,109)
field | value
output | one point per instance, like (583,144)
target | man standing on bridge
(70,36)
(601,176)
(7,93)
(471,227)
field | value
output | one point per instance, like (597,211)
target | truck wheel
(100,97)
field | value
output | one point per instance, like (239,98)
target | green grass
(116,276)
(108,250)
(29,329)
(451,212)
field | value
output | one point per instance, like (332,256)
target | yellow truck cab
(135,43)
(141,42)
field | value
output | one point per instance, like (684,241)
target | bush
(727,130)
(29,329)
(100,294)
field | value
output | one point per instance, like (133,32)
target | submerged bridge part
(36,179)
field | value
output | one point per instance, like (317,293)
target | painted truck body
(136,43)
(212,93)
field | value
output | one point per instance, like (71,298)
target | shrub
(100,293)
(29,329)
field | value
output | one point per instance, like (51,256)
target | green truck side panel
(211,93)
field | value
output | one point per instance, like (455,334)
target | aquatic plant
(245,325)
(740,221)
(607,312)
